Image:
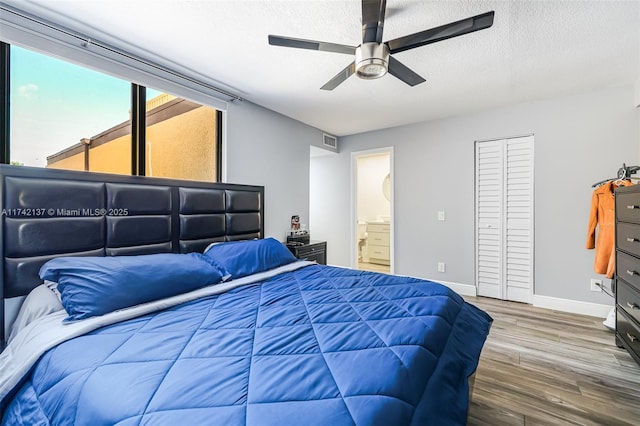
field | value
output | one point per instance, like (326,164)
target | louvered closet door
(519,219)
(489,213)
(504,218)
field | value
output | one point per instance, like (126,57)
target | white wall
(578,140)
(269,149)
(371,203)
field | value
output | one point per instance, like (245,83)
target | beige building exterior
(181,143)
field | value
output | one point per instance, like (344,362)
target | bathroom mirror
(386,187)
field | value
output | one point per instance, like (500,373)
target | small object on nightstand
(313,250)
(303,239)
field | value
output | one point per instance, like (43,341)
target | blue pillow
(238,259)
(91,286)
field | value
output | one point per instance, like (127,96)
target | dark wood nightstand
(314,251)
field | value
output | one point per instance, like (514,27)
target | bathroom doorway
(372,219)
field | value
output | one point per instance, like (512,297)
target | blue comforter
(320,345)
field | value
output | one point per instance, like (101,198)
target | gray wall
(578,140)
(269,149)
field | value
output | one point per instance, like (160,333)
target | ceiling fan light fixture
(372,60)
(372,69)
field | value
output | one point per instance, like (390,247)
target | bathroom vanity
(377,248)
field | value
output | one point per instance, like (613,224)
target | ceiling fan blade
(340,77)
(299,43)
(453,29)
(373,20)
(401,71)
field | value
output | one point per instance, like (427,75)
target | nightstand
(314,251)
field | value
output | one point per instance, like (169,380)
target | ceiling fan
(373,57)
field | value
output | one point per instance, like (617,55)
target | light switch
(441,215)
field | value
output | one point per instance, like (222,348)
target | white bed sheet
(40,302)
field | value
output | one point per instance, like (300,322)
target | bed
(193,317)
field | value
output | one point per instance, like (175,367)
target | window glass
(64,116)
(181,138)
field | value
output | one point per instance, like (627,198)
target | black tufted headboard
(49,213)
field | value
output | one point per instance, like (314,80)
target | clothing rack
(624,173)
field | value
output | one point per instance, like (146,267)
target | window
(181,138)
(66,116)
(60,110)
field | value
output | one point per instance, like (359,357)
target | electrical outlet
(596,285)
(441,266)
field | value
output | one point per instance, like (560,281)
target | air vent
(330,141)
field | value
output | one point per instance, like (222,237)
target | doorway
(372,207)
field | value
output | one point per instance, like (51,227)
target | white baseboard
(554,303)
(572,306)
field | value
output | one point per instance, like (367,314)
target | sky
(54,104)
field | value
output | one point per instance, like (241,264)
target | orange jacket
(603,215)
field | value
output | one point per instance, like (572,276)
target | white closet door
(504,240)
(519,219)
(489,216)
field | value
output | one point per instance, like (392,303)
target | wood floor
(373,267)
(542,367)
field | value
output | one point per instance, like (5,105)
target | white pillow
(53,286)
(40,302)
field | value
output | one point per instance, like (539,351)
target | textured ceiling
(535,49)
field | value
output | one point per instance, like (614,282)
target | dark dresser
(314,251)
(627,280)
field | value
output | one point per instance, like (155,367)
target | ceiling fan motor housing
(372,60)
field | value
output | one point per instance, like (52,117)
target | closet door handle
(632,207)
(631,337)
(632,240)
(632,273)
(632,305)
